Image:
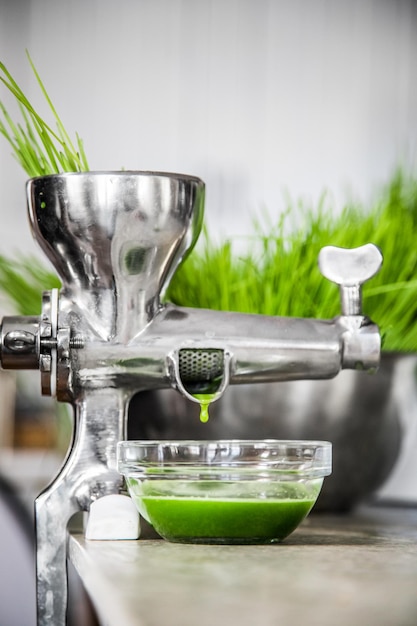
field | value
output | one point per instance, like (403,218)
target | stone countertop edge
(358,568)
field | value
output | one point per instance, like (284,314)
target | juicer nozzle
(196,371)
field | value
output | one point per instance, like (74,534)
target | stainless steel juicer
(115,240)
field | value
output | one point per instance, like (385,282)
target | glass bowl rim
(204,442)
(318,463)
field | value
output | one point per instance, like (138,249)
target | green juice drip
(205,400)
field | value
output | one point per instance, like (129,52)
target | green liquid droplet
(205,401)
(204,414)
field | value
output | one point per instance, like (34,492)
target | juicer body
(115,239)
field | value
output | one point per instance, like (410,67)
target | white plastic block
(113,517)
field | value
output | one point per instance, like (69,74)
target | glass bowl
(225,491)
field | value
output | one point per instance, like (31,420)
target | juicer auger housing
(115,239)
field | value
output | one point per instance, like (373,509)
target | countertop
(335,570)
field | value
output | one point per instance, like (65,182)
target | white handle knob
(350,268)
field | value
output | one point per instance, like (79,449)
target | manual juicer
(115,239)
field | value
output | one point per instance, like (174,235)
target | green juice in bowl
(210,517)
(224,491)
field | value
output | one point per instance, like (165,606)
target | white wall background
(253,96)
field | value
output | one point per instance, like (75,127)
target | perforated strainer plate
(197,365)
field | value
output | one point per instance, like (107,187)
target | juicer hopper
(115,239)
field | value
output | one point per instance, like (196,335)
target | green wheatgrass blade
(77,161)
(14,88)
(22,148)
(48,160)
(45,162)
(21,98)
(39,149)
(23,280)
(83,157)
(65,138)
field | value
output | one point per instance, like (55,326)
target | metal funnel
(115,239)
